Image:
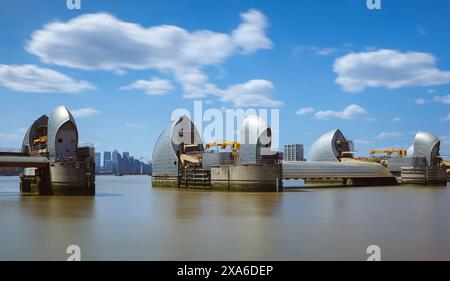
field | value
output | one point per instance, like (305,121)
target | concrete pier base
(72,178)
(250,178)
(36,181)
(60,178)
(372,181)
(165,181)
(245,178)
(424,176)
(337,181)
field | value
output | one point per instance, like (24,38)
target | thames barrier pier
(332,159)
(52,161)
(181,160)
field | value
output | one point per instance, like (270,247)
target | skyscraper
(106,156)
(115,160)
(107,162)
(293,152)
(98,163)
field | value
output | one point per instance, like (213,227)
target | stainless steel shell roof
(410,150)
(426,145)
(326,169)
(179,131)
(31,133)
(60,116)
(325,147)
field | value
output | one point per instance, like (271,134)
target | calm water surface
(128,220)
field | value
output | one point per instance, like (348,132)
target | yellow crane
(223,145)
(41,140)
(446,165)
(186,159)
(389,151)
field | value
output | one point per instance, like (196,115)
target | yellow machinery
(223,145)
(389,151)
(447,165)
(186,159)
(190,155)
(41,140)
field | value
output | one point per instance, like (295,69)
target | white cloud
(445,144)
(102,41)
(422,30)
(153,87)
(305,110)
(251,93)
(420,101)
(362,142)
(34,79)
(84,112)
(446,118)
(250,35)
(350,112)
(326,51)
(297,49)
(388,68)
(120,72)
(387,135)
(442,99)
(195,83)
(323,51)
(396,119)
(135,126)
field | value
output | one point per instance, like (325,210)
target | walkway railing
(10,149)
(86,144)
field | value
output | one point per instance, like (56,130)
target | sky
(122,68)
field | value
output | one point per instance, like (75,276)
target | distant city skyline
(120,163)
(124,154)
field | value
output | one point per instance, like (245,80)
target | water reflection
(58,207)
(197,204)
(130,220)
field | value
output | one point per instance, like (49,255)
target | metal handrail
(257,162)
(70,159)
(39,147)
(10,149)
(91,145)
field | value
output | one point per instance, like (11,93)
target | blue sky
(378,75)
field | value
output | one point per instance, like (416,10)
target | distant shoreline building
(293,152)
(10,171)
(98,163)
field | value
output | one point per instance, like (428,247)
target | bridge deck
(351,169)
(10,153)
(23,162)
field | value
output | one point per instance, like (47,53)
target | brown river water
(128,220)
